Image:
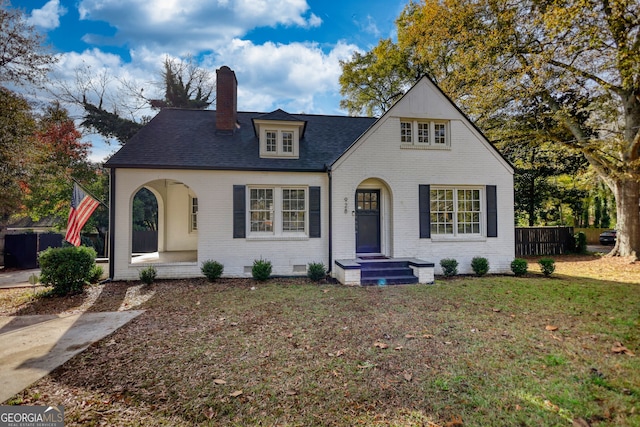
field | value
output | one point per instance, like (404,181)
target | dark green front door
(367,221)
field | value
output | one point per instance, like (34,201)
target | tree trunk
(628,224)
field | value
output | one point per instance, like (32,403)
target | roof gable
(426,100)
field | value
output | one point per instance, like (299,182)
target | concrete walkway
(33,346)
(16,278)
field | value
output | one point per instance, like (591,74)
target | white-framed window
(423,132)
(405,132)
(278,211)
(279,143)
(294,209)
(287,142)
(261,210)
(272,141)
(439,133)
(456,211)
(193,214)
(428,133)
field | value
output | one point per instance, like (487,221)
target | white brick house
(415,186)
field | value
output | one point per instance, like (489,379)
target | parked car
(608,237)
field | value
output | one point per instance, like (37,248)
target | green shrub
(148,275)
(261,269)
(316,271)
(212,270)
(547,265)
(480,265)
(449,267)
(519,266)
(581,242)
(67,269)
(96,274)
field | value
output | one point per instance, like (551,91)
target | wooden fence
(531,241)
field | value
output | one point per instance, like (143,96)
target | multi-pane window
(442,211)
(193,214)
(427,133)
(440,133)
(367,201)
(261,208)
(293,210)
(272,141)
(455,211)
(423,132)
(287,142)
(468,211)
(405,132)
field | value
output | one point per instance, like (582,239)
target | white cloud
(48,17)
(287,76)
(206,24)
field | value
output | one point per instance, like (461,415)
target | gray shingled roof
(187,139)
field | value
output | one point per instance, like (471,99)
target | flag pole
(89,193)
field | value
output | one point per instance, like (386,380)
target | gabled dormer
(280,134)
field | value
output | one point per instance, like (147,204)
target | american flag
(82,206)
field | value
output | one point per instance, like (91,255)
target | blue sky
(285,53)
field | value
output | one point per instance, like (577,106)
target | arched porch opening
(176,222)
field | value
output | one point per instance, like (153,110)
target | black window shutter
(424,204)
(314,211)
(492,211)
(239,214)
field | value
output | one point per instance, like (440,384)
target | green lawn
(467,351)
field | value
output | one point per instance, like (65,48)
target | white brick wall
(378,160)
(214,239)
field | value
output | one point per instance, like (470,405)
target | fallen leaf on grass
(380,345)
(408,377)
(209,413)
(427,336)
(580,422)
(618,348)
(236,393)
(398,348)
(219,381)
(496,310)
(551,328)
(325,290)
(409,336)
(456,421)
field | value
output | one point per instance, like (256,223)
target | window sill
(406,146)
(443,238)
(277,238)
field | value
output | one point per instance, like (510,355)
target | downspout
(112,221)
(330,219)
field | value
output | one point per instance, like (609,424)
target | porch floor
(169,257)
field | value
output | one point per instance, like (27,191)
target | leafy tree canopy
(578,58)
(23,58)
(17,126)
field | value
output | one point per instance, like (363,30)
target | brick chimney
(226,99)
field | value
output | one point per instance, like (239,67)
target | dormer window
(287,142)
(279,134)
(272,141)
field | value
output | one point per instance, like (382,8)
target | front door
(367,221)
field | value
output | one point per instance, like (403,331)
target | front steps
(386,271)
